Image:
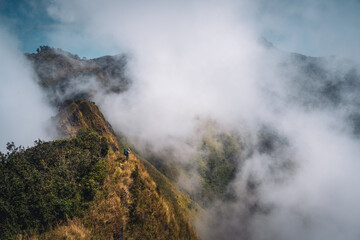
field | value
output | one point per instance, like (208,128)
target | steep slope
(135,201)
(216,159)
(131,204)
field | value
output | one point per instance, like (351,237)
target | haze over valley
(242,117)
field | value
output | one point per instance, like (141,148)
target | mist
(204,59)
(24,113)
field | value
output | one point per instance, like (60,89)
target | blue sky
(316,28)
(30,23)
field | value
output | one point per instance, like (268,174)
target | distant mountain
(137,199)
(57,69)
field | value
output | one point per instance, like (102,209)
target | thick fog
(185,61)
(192,60)
(205,59)
(24,114)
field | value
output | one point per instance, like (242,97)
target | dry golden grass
(73,229)
(160,209)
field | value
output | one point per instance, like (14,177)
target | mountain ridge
(129,204)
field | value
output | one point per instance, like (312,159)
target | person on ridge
(126,153)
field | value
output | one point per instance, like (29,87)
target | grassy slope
(136,201)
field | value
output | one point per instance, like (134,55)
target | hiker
(126,153)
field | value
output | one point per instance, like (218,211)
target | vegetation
(84,188)
(179,203)
(171,169)
(43,50)
(50,182)
(217,164)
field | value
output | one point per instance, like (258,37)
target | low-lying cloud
(203,59)
(193,60)
(24,113)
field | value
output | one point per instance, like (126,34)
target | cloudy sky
(315,28)
(201,58)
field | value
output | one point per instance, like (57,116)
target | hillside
(111,198)
(59,72)
(137,199)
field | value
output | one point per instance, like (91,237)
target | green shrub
(49,182)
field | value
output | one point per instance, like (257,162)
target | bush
(49,182)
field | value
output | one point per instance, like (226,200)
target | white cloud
(201,59)
(23,113)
